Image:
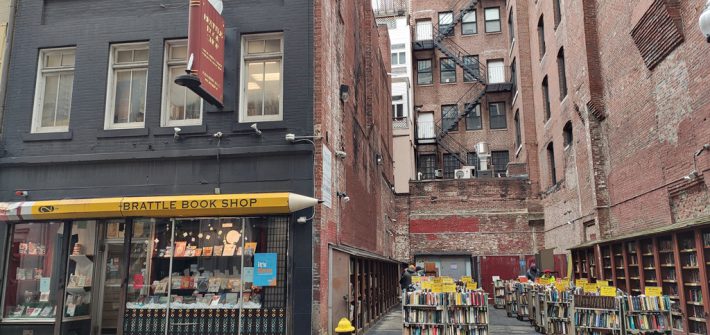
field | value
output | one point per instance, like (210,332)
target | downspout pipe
(6,61)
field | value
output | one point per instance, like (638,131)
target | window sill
(494,32)
(474,129)
(499,129)
(114,133)
(451,83)
(425,85)
(184,130)
(37,137)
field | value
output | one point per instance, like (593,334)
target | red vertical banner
(206,49)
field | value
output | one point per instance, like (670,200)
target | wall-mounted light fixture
(344,92)
(704,21)
(256,129)
(341,154)
(176,133)
(378,159)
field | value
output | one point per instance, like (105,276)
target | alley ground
(500,324)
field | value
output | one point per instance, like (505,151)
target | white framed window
(399,58)
(496,71)
(425,31)
(53,91)
(127,86)
(398,108)
(492,17)
(261,98)
(181,106)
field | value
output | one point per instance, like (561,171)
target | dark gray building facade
(91,113)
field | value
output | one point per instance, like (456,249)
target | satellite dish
(190,61)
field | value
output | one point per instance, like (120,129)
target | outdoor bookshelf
(677,261)
(460,313)
(511,301)
(647,315)
(521,293)
(536,299)
(594,315)
(499,294)
(557,312)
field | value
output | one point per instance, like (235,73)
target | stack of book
(597,315)
(558,311)
(424,298)
(470,298)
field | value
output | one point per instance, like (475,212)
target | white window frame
(40,86)
(486,19)
(398,55)
(243,117)
(397,100)
(111,85)
(424,31)
(165,110)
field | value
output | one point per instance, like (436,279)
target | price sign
(472,285)
(449,287)
(447,280)
(426,285)
(590,288)
(416,280)
(438,280)
(602,283)
(608,291)
(653,291)
(580,282)
(564,283)
(522,279)
(467,279)
(437,287)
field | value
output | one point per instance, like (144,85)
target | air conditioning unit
(439,173)
(462,174)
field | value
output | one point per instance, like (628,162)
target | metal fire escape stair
(472,98)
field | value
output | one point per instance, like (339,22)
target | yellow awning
(158,206)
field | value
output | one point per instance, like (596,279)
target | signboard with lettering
(206,49)
(580,282)
(437,287)
(590,288)
(449,288)
(602,283)
(653,291)
(607,291)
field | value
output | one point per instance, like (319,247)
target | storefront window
(33,268)
(203,274)
(80,270)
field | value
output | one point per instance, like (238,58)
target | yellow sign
(467,279)
(427,285)
(607,291)
(448,280)
(438,280)
(602,283)
(159,206)
(653,291)
(560,287)
(437,287)
(590,288)
(416,279)
(580,282)
(449,288)
(564,282)
(472,285)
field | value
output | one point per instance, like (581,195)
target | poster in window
(265,269)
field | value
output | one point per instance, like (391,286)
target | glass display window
(33,268)
(80,270)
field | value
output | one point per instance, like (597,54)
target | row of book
(558,311)
(559,327)
(424,298)
(470,298)
(589,301)
(648,322)
(435,330)
(423,316)
(468,316)
(455,330)
(596,318)
(558,296)
(643,304)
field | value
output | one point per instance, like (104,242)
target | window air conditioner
(439,173)
(465,172)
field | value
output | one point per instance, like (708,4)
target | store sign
(161,206)
(206,48)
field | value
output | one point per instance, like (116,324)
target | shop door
(339,287)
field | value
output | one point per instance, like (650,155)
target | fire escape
(476,71)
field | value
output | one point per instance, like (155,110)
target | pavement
(500,324)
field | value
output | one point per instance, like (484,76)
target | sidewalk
(391,324)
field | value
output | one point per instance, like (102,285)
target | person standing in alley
(533,272)
(406,278)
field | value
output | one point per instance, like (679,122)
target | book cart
(647,315)
(535,306)
(499,294)
(458,313)
(557,311)
(598,315)
(521,294)
(511,301)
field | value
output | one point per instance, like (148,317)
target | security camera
(341,154)
(302,219)
(290,137)
(218,134)
(176,133)
(256,129)
(346,199)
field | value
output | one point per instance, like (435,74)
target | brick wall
(350,49)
